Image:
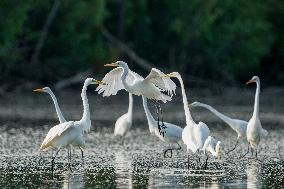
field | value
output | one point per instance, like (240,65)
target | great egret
(193,135)
(213,146)
(170,133)
(123,78)
(71,132)
(124,122)
(254,128)
(239,126)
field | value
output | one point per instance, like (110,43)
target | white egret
(71,132)
(124,122)
(167,132)
(123,78)
(193,135)
(213,146)
(239,126)
(254,128)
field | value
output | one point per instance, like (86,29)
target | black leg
(256,153)
(251,152)
(206,162)
(53,159)
(82,154)
(234,146)
(188,161)
(245,153)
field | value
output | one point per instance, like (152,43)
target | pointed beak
(166,75)
(98,82)
(111,65)
(38,90)
(250,81)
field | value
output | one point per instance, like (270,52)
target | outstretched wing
(54,132)
(112,82)
(163,83)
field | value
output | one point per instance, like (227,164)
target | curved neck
(86,111)
(225,118)
(149,116)
(130,106)
(57,108)
(256,99)
(188,117)
(124,75)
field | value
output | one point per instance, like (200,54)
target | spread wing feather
(163,83)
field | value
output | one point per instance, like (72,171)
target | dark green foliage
(230,40)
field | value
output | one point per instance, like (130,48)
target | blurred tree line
(46,41)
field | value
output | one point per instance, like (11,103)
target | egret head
(43,90)
(173,74)
(218,149)
(253,80)
(92,81)
(194,104)
(117,64)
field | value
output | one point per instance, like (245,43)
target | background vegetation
(228,41)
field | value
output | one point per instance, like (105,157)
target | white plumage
(123,78)
(213,146)
(124,122)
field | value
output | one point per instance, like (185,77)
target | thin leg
(179,146)
(82,154)
(234,146)
(245,153)
(206,162)
(53,159)
(188,161)
(256,153)
(69,158)
(251,152)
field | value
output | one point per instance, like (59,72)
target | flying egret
(123,78)
(169,133)
(213,146)
(124,122)
(70,132)
(239,126)
(254,128)
(193,135)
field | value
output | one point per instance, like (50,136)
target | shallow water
(136,162)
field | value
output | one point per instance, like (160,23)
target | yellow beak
(98,82)
(250,81)
(38,90)
(111,65)
(166,75)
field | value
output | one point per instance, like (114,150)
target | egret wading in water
(70,133)
(193,135)
(123,78)
(239,126)
(171,134)
(213,146)
(254,128)
(124,122)
(58,111)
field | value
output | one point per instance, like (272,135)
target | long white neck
(130,107)
(188,117)
(57,108)
(256,99)
(124,75)
(225,118)
(86,111)
(150,118)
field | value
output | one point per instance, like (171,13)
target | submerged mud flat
(137,161)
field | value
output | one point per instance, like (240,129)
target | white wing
(56,131)
(163,83)
(264,132)
(112,82)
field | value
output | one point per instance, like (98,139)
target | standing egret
(213,146)
(71,132)
(239,126)
(170,133)
(254,128)
(193,135)
(124,122)
(123,78)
